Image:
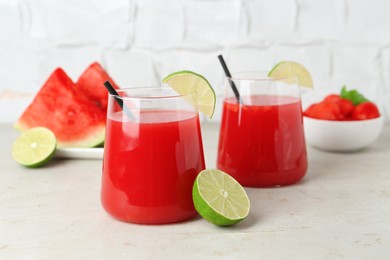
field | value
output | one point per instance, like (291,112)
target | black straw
(227,73)
(112,91)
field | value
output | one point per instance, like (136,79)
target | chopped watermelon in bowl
(74,112)
(342,122)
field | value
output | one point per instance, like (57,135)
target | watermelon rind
(95,137)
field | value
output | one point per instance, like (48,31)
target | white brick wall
(159,25)
(319,19)
(140,41)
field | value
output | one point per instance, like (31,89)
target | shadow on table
(325,163)
(247,223)
(55,162)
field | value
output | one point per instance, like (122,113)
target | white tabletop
(340,210)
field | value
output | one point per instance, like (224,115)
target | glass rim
(261,76)
(148,96)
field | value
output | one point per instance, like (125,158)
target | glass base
(149,215)
(266,180)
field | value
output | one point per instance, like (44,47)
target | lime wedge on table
(288,69)
(187,82)
(219,198)
(34,147)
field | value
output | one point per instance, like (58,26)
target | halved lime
(187,82)
(34,147)
(288,69)
(219,198)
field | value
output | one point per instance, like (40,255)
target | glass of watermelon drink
(151,157)
(261,141)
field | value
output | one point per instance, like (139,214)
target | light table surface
(341,209)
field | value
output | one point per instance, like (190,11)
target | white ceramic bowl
(342,136)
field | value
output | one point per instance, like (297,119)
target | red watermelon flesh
(74,119)
(91,84)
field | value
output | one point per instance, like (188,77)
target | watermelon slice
(91,84)
(75,120)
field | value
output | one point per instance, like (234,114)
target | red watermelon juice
(150,166)
(262,144)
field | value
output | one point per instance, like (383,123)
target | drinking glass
(152,155)
(261,140)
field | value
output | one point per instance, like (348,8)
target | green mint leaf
(352,95)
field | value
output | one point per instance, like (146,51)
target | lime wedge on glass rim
(219,198)
(188,82)
(34,147)
(288,69)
